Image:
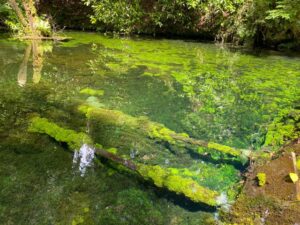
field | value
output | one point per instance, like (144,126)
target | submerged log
(157,174)
(157,131)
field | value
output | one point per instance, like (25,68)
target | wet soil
(273,203)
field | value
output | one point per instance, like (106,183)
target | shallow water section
(206,91)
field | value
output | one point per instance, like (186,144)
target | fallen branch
(156,131)
(160,176)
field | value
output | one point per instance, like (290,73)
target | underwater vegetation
(285,127)
(170,108)
(153,130)
(73,139)
(159,176)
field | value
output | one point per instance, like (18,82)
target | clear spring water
(204,90)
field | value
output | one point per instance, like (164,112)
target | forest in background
(263,23)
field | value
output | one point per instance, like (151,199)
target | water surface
(204,90)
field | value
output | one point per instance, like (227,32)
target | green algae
(126,203)
(152,129)
(160,177)
(223,148)
(113,150)
(178,184)
(215,81)
(92,92)
(72,138)
(283,128)
(231,104)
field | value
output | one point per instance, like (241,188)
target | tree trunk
(31,15)
(19,13)
(28,19)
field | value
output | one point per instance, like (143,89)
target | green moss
(285,127)
(162,133)
(262,179)
(108,116)
(145,127)
(180,185)
(78,220)
(92,92)
(72,138)
(223,148)
(184,135)
(113,150)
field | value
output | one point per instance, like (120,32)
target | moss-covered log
(156,131)
(160,176)
(74,139)
(178,184)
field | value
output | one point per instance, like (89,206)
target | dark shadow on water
(181,200)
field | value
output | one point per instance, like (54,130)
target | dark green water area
(204,90)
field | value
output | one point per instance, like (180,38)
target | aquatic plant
(262,179)
(154,130)
(131,206)
(224,148)
(92,92)
(73,139)
(159,176)
(286,126)
(186,186)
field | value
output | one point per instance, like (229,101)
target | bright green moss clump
(262,179)
(72,138)
(92,92)
(162,133)
(178,184)
(223,148)
(113,150)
